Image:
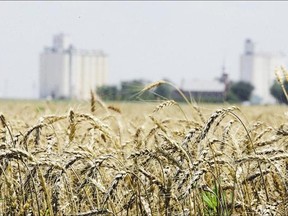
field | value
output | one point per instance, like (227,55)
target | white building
(214,90)
(66,72)
(258,69)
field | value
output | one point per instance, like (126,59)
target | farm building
(205,90)
(67,72)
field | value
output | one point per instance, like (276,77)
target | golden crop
(162,158)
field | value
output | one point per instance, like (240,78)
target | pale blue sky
(149,40)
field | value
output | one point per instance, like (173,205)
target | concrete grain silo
(67,72)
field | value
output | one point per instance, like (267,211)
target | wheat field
(160,158)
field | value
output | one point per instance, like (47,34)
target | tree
(108,92)
(164,90)
(130,90)
(278,93)
(231,97)
(242,90)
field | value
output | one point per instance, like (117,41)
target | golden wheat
(78,160)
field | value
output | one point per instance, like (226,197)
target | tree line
(278,92)
(129,91)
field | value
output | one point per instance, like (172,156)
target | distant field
(161,158)
(35,109)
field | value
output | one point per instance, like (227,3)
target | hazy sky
(149,40)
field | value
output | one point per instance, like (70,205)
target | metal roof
(203,85)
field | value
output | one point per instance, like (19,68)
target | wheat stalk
(113,186)
(93,212)
(114,108)
(164,104)
(192,184)
(93,101)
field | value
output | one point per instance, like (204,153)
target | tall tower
(249,47)
(246,65)
(258,69)
(61,42)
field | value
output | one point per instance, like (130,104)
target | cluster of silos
(67,72)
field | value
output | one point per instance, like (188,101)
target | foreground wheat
(100,162)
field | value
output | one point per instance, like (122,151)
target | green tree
(231,97)
(130,90)
(278,93)
(240,90)
(164,91)
(108,93)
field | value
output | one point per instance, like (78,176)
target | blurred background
(65,49)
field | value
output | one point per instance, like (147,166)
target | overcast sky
(149,40)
